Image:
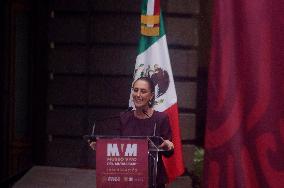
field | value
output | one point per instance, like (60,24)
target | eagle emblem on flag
(158,75)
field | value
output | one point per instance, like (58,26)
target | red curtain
(245,118)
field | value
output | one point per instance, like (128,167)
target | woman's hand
(92,144)
(167,145)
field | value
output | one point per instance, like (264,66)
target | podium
(126,161)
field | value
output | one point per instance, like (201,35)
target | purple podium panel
(122,162)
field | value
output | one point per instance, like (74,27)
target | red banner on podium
(122,163)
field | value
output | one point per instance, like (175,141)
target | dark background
(65,64)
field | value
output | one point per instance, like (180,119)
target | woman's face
(141,94)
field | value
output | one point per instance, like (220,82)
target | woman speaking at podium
(145,121)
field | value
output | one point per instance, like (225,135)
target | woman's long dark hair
(152,89)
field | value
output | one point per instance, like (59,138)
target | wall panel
(112,91)
(92,61)
(68,28)
(67,5)
(182,31)
(68,59)
(184,62)
(112,60)
(181,6)
(67,121)
(115,28)
(126,29)
(187,123)
(186,93)
(70,90)
(121,6)
(66,152)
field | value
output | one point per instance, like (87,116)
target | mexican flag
(153,61)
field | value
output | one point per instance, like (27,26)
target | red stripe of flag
(157,7)
(174,165)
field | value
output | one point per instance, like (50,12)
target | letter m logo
(112,150)
(131,150)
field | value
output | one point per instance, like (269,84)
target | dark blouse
(130,125)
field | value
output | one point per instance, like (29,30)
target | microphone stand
(156,159)
(90,137)
(155,126)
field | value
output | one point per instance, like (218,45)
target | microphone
(93,129)
(90,137)
(130,108)
(155,126)
(109,117)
